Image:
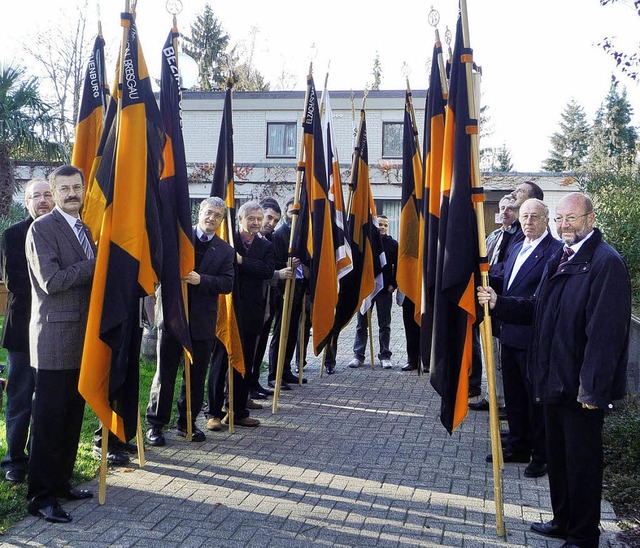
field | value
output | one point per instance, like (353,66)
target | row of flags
(137,207)
(438,258)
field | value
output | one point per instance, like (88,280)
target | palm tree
(25,125)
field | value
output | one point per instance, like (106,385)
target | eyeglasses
(570,219)
(77,189)
(38,196)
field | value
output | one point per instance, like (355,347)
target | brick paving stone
(358,459)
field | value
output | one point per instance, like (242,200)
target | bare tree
(62,51)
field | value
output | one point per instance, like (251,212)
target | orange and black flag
(129,255)
(362,284)
(409,270)
(178,258)
(457,271)
(323,279)
(341,246)
(90,124)
(222,186)
(434,122)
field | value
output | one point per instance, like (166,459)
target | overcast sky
(535,56)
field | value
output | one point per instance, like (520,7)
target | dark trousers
(525,417)
(170,353)
(383,302)
(574,463)
(217,384)
(475,379)
(292,336)
(262,344)
(21,382)
(58,409)
(411,332)
(306,335)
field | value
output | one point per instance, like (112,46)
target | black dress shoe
(548,529)
(52,513)
(116,456)
(76,494)
(263,390)
(567,545)
(509,456)
(409,367)
(331,369)
(155,437)
(283,386)
(254,395)
(482,405)
(293,379)
(535,469)
(14,476)
(196,433)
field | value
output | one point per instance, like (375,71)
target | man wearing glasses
(577,364)
(15,334)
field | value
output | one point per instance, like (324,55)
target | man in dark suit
(383,301)
(212,276)
(254,265)
(15,335)
(280,240)
(61,258)
(581,313)
(522,273)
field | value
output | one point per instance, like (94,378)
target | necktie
(204,238)
(518,264)
(566,253)
(84,240)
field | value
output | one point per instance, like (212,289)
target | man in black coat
(15,335)
(212,276)
(522,274)
(254,265)
(383,301)
(578,358)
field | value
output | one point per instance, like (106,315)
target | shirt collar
(200,233)
(537,241)
(576,247)
(69,218)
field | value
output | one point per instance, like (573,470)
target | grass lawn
(13,502)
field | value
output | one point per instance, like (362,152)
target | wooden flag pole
(230,414)
(140,441)
(370,327)
(485,327)
(290,283)
(303,347)
(104,444)
(187,357)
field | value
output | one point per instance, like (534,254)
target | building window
(392,139)
(281,139)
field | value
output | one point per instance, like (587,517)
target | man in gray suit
(61,259)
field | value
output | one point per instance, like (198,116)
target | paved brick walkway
(358,458)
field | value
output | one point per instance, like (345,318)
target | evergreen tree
(613,140)
(502,161)
(376,72)
(570,145)
(207,46)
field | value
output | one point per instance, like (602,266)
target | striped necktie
(567,252)
(84,240)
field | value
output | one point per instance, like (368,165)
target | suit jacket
(15,334)
(61,277)
(524,285)
(249,289)
(216,278)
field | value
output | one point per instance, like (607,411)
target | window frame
(278,154)
(391,154)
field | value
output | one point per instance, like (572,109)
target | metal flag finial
(433,17)
(174,7)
